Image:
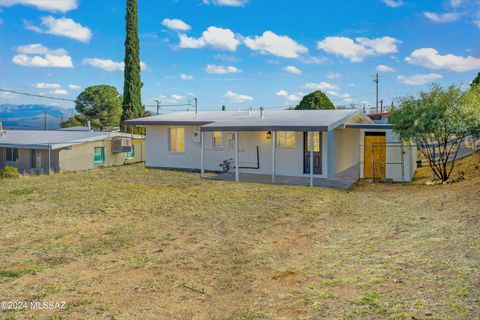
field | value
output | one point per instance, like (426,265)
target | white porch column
(237,172)
(274,149)
(312,147)
(202,154)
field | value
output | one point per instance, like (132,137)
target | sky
(240,53)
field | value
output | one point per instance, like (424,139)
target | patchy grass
(131,242)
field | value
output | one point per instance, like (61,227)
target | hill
(31,116)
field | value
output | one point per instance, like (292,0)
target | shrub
(9,172)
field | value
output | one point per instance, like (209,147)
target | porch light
(269,135)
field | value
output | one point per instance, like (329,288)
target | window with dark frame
(11,154)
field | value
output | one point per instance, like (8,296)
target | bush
(9,172)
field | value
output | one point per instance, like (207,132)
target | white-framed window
(11,155)
(217,139)
(176,140)
(36,158)
(286,139)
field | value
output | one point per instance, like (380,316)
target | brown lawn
(136,243)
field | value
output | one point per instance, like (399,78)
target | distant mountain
(31,116)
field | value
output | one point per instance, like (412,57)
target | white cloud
(430,58)
(43,85)
(419,79)
(211,68)
(281,46)
(235,97)
(37,55)
(108,64)
(384,68)
(292,69)
(477,22)
(177,97)
(186,77)
(62,27)
(176,24)
(442,17)
(333,75)
(393,3)
(46,5)
(60,92)
(74,87)
(226,3)
(322,86)
(358,50)
(217,38)
(455,3)
(282,93)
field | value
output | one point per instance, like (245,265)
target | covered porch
(342,180)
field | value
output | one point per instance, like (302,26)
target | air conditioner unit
(121,145)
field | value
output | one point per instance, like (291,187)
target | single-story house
(277,143)
(61,151)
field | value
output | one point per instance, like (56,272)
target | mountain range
(32,116)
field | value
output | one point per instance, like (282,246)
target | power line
(36,95)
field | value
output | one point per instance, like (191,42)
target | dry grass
(130,242)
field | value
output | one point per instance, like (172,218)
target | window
(11,154)
(316,142)
(131,154)
(36,158)
(286,139)
(99,155)
(177,140)
(217,139)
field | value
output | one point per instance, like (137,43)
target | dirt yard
(136,243)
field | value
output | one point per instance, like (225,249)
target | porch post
(274,147)
(49,158)
(312,147)
(202,154)
(237,173)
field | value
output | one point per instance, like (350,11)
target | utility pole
(195,100)
(158,106)
(45,119)
(376,83)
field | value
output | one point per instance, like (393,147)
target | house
(381,117)
(276,144)
(61,151)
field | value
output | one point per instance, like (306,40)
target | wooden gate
(375,156)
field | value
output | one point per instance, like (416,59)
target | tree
(476,81)
(315,101)
(132,100)
(74,121)
(102,105)
(438,121)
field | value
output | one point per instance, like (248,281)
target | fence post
(433,161)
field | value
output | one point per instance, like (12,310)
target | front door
(317,153)
(375,156)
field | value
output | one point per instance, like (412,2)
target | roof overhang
(209,128)
(370,126)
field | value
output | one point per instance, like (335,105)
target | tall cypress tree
(132,88)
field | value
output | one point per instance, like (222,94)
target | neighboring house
(347,144)
(60,151)
(379,117)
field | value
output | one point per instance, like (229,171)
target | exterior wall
(345,149)
(399,156)
(24,161)
(289,162)
(80,157)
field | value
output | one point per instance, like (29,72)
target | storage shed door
(375,157)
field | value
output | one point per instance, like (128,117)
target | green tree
(132,89)
(438,121)
(102,105)
(74,121)
(476,81)
(315,101)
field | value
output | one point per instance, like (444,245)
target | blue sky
(240,53)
